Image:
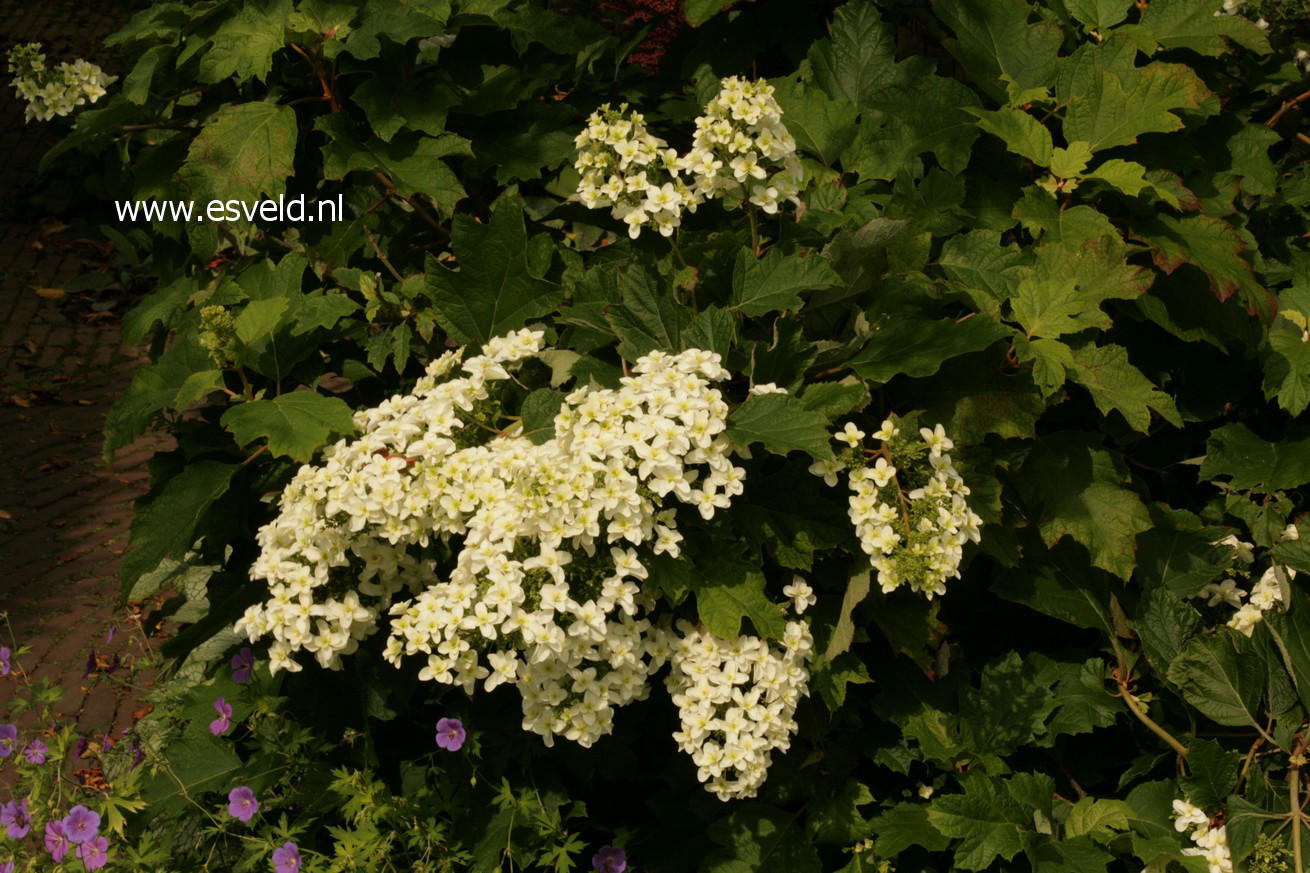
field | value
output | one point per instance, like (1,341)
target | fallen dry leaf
(6,515)
(51,293)
(32,347)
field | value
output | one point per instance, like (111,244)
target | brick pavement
(64,515)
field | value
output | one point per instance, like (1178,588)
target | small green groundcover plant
(856,436)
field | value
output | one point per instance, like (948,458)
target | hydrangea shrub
(948,472)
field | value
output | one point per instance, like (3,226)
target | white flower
(766,388)
(801,594)
(851,435)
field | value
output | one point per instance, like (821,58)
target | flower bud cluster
(736,700)
(912,520)
(741,151)
(523,556)
(58,91)
(1211,842)
(1270,589)
(626,168)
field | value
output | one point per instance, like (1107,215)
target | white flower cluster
(1211,843)
(58,91)
(538,581)
(1268,590)
(913,530)
(741,151)
(736,700)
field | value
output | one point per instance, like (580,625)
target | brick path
(64,515)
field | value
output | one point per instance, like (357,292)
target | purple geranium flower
(109,637)
(36,751)
(15,818)
(450,734)
(94,853)
(221,724)
(55,841)
(286,859)
(243,664)
(7,866)
(81,824)
(609,860)
(4,660)
(241,803)
(8,733)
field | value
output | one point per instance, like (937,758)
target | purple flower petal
(287,859)
(55,841)
(609,860)
(36,751)
(450,734)
(94,853)
(241,803)
(243,664)
(81,824)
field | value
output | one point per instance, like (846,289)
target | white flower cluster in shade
(741,151)
(913,522)
(523,556)
(1267,592)
(736,700)
(1210,843)
(58,91)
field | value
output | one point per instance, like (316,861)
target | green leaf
(181,376)
(974,396)
(1107,115)
(1249,149)
(781,423)
(1094,816)
(698,12)
(1165,625)
(929,115)
(843,633)
(1071,161)
(295,423)
(164,524)
(1126,176)
(994,39)
(1050,359)
(411,161)
(1212,773)
(1022,134)
(538,414)
(1286,362)
(774,282)
(193,763)
(1059,587)
(1076,488)
(832,400)
(1115,384)
(1201,26)
(398,21)
(837,820)
(1081,703)
(244,152)
(825,128)
(914,344)
(1218,676)
(985,818)
(858,61)
(1008,710)
(831,679)
(979,261)
(1098,14)
(1043,216)
(494,290)
(1213,246)
(243,46)
(649,318)
(1254,464)
(758,838)
(1291,631)
(905,825)
(728,591)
